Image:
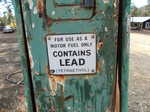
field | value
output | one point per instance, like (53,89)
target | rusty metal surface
(73,93)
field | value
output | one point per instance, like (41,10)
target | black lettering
(81,61)
(74,53)
(69,39)
(73,45)
(74,62)
(60,54)
(85,38)
(88,52)
(55,53)
(65,53)
(67,62)
(58,39)
(70,53)
(79,38)
(61,64)
(52,46)
(83,53)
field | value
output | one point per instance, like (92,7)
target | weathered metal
(28,89)
(105,91)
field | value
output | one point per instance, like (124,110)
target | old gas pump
(74,54)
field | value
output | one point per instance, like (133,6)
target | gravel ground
(139,77)
(11,95)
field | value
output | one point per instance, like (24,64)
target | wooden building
(139,23)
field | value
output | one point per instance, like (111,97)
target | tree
(136,12)
(8,17)
(2,23)
(143,11)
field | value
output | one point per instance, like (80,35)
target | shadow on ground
(11,91)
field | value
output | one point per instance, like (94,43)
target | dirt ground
(11,94)
(139,77)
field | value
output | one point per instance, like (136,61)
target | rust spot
(54,82)
(40,7)
(99,45)
(49,21)
(30,57)
(116,17)
(42,12)
(30,60)
(46,69)
(52,109)
(36,73)
(60,80)
(98,66)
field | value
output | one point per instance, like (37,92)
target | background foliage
(142,12)
(8,15)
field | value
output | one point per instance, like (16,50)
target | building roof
(139,19)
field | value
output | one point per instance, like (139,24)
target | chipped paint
(86,91)
(60,80)
(99,45)
(106,1)
(53,13)
(35,10)
(109,110)
(98,67)
(40,7)
(73,10)
(49,21)
(33,25)
(116,3)
(36,73)
(106,29)
(30,4)
(30,56)
(100,64)
(54,82)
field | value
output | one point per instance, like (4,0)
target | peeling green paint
(74,93)
(23,55)
(125,54)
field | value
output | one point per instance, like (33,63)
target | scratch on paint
(30,56)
